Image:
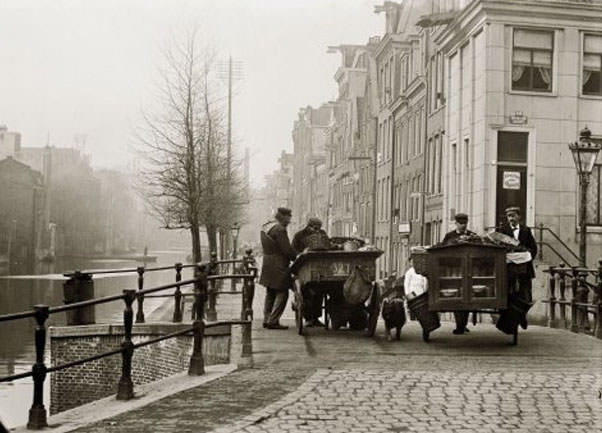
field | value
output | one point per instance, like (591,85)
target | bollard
(212,295)
(552,319)
(37,413)
(125,389)
(79,287)
(197,364)
(177,311)
(140,312)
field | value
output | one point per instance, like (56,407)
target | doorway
(511,184)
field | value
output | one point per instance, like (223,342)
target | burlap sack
(357,287)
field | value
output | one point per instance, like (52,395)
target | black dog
(394,315)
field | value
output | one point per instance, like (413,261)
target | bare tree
(184,174)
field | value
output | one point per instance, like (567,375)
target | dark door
(511,185)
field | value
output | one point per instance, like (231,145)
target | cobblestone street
(345,382)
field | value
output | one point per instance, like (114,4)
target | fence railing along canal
(204,315)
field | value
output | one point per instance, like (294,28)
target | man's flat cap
(512,209)
(284,211)
(314,222)
(461,217)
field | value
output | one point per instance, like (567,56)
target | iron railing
(204,276)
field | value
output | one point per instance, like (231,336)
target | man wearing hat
(312,299)
(523,235)
(275,276)
(461,230)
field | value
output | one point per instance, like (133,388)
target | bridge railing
(575,298)
(204,294)
(247,273)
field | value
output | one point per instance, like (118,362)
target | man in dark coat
(312,299)
(275,276)
(519,275)
(461,230)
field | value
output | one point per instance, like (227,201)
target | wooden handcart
(325,273)
(471,278)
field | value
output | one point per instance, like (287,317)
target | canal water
(20,293)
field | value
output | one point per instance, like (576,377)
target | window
(532,60)
(592,65)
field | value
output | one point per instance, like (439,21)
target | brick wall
(82,384)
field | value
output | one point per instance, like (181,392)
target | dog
(393,311)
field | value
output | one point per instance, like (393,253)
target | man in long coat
(461,229)
(519,275)
(275,275)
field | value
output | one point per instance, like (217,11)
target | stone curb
(306,387)
(109,407)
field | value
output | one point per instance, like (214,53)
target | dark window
(592,65)
(512,146)
(532,60)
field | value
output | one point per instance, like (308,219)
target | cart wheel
(326,315)
(373,309)
(515,337)
(425,336)
(298,307)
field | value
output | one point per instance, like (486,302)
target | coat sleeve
(530,242)
(284,245)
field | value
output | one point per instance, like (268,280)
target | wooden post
(197,364)
(552,319)
(562,300)
(37,413)
(177,311)
(212,298)
(140,312)
(125,389)
(598,302)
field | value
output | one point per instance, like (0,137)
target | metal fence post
(598,302)
(574,284)
(552,319)
(140,312)
(125,389)
(562,300)
(37,413)
(212,298)
(177,311)
(197,364)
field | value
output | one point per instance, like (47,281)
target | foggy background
(89,68)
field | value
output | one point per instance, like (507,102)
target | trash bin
(79,287)
(510,318)
(429,320)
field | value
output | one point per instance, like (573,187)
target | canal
(20,293)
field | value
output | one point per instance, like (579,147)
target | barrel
(510,318)
(429,320)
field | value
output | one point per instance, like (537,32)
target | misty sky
(89,67)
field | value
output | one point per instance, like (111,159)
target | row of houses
(53,204)
(460,106)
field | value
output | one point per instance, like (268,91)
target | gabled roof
(10,162)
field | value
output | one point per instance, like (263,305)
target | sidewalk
(344,382)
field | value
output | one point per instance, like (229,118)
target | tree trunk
(212,237)
(196,243)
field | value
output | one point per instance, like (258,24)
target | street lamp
(234,232)
(585,151)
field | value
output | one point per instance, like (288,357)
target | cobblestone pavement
(367,400)
(343,381)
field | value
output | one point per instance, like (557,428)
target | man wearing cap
(523,235)
(312,299)
(461,230)
(275,276)
(412,281)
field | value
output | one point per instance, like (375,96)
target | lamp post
(234,232)
(585,151)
